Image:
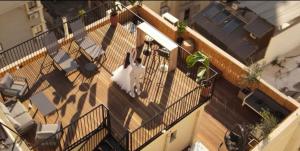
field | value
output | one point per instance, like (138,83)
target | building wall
(185,130)
(177,8)
(282,43)
(16,27)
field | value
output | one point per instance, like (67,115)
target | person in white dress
(122,74)
(137,73)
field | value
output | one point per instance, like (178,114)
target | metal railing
(77,132)
(22,50)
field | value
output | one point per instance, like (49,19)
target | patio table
(43,104)
(163,40)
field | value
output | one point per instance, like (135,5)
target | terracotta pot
(206,90)
(114,20)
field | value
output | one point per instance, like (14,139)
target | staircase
(109,144)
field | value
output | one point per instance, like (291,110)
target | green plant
(253,72)
(132,2)
(181,25)
(114,9)
(81,12)
(266,125)
(192,59)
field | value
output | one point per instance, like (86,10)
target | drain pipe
(65,25)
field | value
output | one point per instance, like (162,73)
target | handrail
(101,106)
(162,113)
(164,110)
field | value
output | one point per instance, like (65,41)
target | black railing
(78,131)
(164,120)
(29,47)
(94,140)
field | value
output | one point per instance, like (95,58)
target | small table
(90,68)
(44,105)
(148,39)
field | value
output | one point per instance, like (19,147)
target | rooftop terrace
(167,97)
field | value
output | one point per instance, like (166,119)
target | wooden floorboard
(222,113)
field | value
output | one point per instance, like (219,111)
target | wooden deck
(81,92)
(222,113)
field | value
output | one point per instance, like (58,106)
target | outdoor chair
(61,59)
(18,116)
(89,48)
(48,135)
(13,86)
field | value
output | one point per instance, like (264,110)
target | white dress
(122,77)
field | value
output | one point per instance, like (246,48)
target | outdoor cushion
(4,108)
(14,122)
(6,81)
(23,119)
(21,86)
(65,61)
(44,131)
(16,109)
(90,47)
(49,128)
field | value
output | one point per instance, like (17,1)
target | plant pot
(205,93)
(179,40)
(114,20)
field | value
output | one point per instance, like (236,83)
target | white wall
(184,137)
(282,43)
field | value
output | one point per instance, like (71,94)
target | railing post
(108,122)
(128,141)
(65,25)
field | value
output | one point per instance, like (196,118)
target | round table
(90,68)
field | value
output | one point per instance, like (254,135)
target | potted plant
(114,15)
(263,128)
(132,2)
(181,25)
(250,79)
(81,13)
(202,71)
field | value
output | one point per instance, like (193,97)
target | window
(173,136)
(34,15)
(186,15)
(164,7)
(32,4)
(164,10)
(37,29)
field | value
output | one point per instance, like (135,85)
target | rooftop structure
(243,34)
(173,111)
(28,14)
